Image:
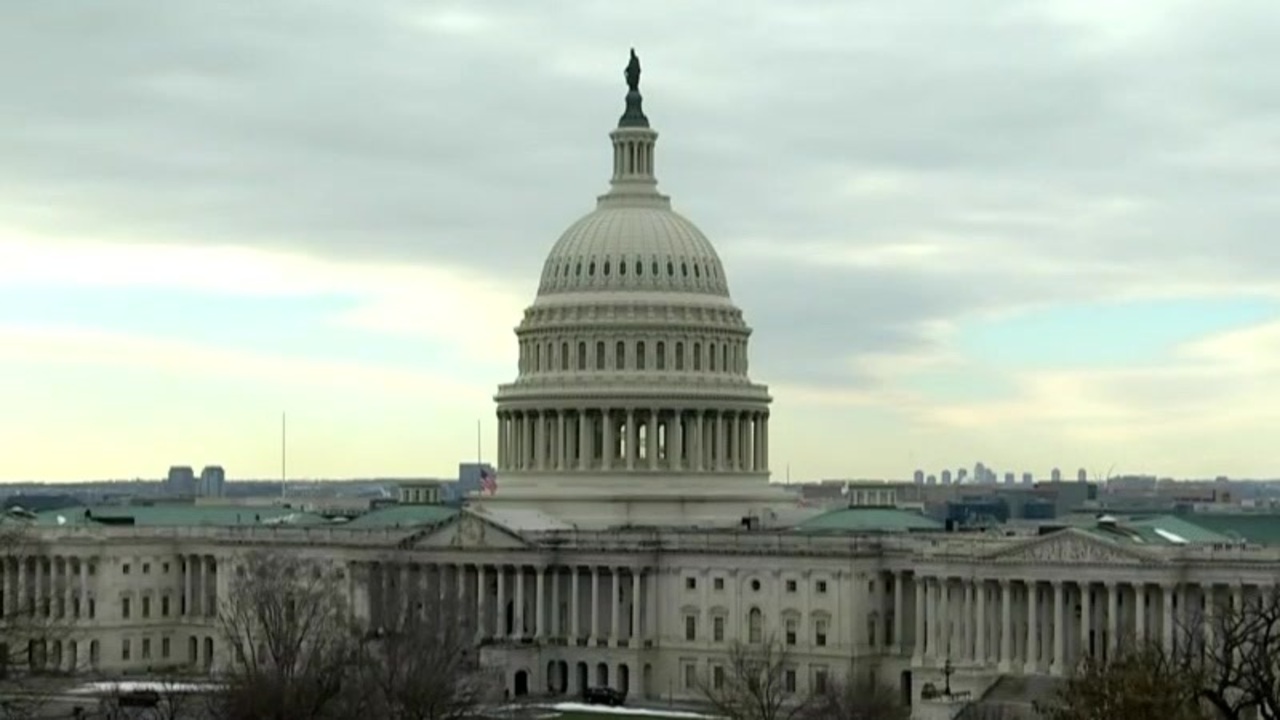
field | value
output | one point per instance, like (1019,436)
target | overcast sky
(1032,234)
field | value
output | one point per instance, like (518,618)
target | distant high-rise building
(963,473)
(1082,475)
(979,472)
(931,480)
(181,481)
(918,477)
(1055,475)
(212,481)
(1008,478)
(946,477)
(1028,478)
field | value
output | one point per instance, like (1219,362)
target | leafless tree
(292,642)
(423,667)
(1233,648)
(1138,682)
(162,697)
(757,682)
(34,626)
(861,699)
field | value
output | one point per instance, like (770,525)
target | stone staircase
(1011,698)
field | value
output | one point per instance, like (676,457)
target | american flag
(488,481)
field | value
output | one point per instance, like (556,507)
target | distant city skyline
(1059,261)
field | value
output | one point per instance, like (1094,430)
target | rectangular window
(125,650)
(717,677)
(125,569)
(164,606)
(146,648)
(164,568)
(822,587)
(789,681)
(690,583)
(146,607)
(717,628)
(164,648)
(718,583)
(690,676)
(792,624)
(791,586)
(820,633)
(819,679)
(93,608)
(146,568)
(124,608)
(690,627)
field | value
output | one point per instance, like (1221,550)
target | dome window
(660,357)
(697,272)
(622,267)
(671,269)
(639,268)
(600,355)
(578,270)
(679,355)
(655,268)
(620,356)
(591,269)
(606,268)
(582,356)
(684,269)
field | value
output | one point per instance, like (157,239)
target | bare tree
(862,699)
(160,697)
(757,682)
(423,667)
(1233,648)
(292,643)
(1138,682)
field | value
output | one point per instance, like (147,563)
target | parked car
(604,696)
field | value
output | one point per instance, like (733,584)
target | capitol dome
(633,403)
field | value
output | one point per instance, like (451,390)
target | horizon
(946,257)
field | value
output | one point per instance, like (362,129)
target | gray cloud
(1035,142)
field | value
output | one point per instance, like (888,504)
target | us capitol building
(634,534)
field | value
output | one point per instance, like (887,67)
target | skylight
(1171,537)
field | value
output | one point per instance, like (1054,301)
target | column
(1166,626)
(500,610)
(931,631)
(39,580)
(189,577)
(539,603)
(584,440)
(764,445)
(898,580)
(1210,615)
(1140,612)
(980,653)
(518,578)
(631,433)
(919,588)
(635,606)
(1113,618)
(84,587)
(1059,630)
(610,447)
(675,448)
(966,653)
(696,461)
(651,438)
(718,461)
(480,593)
(562,442)
(527,448)
(615,606)
(573,604)
(557,624)
(1086,619)
(1006,625)
(1033,628)
(595,604)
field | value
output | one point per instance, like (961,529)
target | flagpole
(479,449)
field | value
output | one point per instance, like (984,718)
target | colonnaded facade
(634,536)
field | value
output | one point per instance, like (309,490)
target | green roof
(1152,530)
(177,515)
(1258,528)
(404,516)
(869,520)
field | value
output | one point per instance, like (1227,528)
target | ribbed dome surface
(633,248)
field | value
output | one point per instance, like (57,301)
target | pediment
(1070,547)
(468,531)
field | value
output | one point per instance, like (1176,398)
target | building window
(822,587)
(582,356)
(690,676)
(124,608)
(717,628)
(164,648)
(640,356)
(146,648)
(820,633)
(125,569)
(125,650)
(537,357)
(146,568)
(791,586)
(660,357)
(697,356)
(620,356)
(718,583)
(789,681)
(600,356)
(791,627)
(711,357)
(819,680)
(564,356)
(717,677)
(146,607)
(93,608)
(755,626)
(724,357)
(690,627)
(164,568)
(691,583)
(164,606)
(679,356)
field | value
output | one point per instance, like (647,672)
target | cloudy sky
(1030,234)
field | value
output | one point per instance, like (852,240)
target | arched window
(620,356)
(600,356)
(660,362)
(711,357)
(537,357)
(640,355)
(755,626)
(724,357)
(680,356)
(582,356)
(564,356)
(697,356)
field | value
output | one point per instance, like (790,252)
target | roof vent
(1107,521)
